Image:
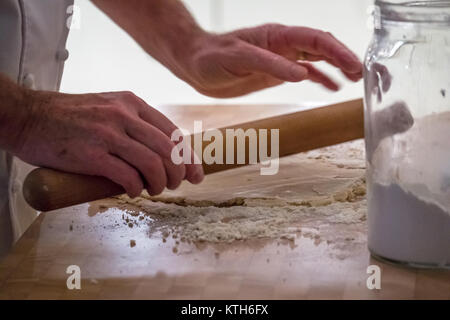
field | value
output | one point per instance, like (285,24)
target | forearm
(163,28)
(15,110)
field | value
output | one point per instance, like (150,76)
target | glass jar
(407,130)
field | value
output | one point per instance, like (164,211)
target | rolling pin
(47,189)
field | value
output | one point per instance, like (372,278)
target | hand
(115,135)
(248,60)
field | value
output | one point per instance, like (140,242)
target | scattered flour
(252,218)
(289,208)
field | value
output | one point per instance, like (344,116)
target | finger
(147,113)
(355,77)
(193,169)
(146,161)
(256,60)
(175,173)
(194,172)
(151,137)
(351,52)
(304,56)
(246,85)
(121,173)
(318,76)
(322,43)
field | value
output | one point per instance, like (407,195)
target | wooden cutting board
(95,237)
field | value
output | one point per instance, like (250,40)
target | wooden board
(95,237)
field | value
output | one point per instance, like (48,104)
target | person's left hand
(252,59)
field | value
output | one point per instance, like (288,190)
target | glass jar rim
(431,11)
(415,3)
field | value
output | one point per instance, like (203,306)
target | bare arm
(15,111)
(235,63)
(164,28)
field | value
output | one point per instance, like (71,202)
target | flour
(312,192)
(243,219)
(347,193)
(409,198)
(403,227)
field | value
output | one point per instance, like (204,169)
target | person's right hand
(115,135)
(251,59)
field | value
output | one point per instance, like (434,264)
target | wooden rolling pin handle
(47,189)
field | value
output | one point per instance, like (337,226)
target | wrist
(180,50)
(184,47)
(185,57)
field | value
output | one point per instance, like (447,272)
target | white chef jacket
(33,36)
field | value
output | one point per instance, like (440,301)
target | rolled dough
(327,185)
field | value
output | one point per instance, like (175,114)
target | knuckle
(115,110)
(120,110)
(322,35)
(272,25)
(121,113)
(128,94)
(96,157)
(107,137)
(99,131)
(131,102)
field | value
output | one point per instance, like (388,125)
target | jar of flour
(407,129)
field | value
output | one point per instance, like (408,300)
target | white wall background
(104,58)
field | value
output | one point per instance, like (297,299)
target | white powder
(404,228)
(409,204)
(312,193)
(252,218)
